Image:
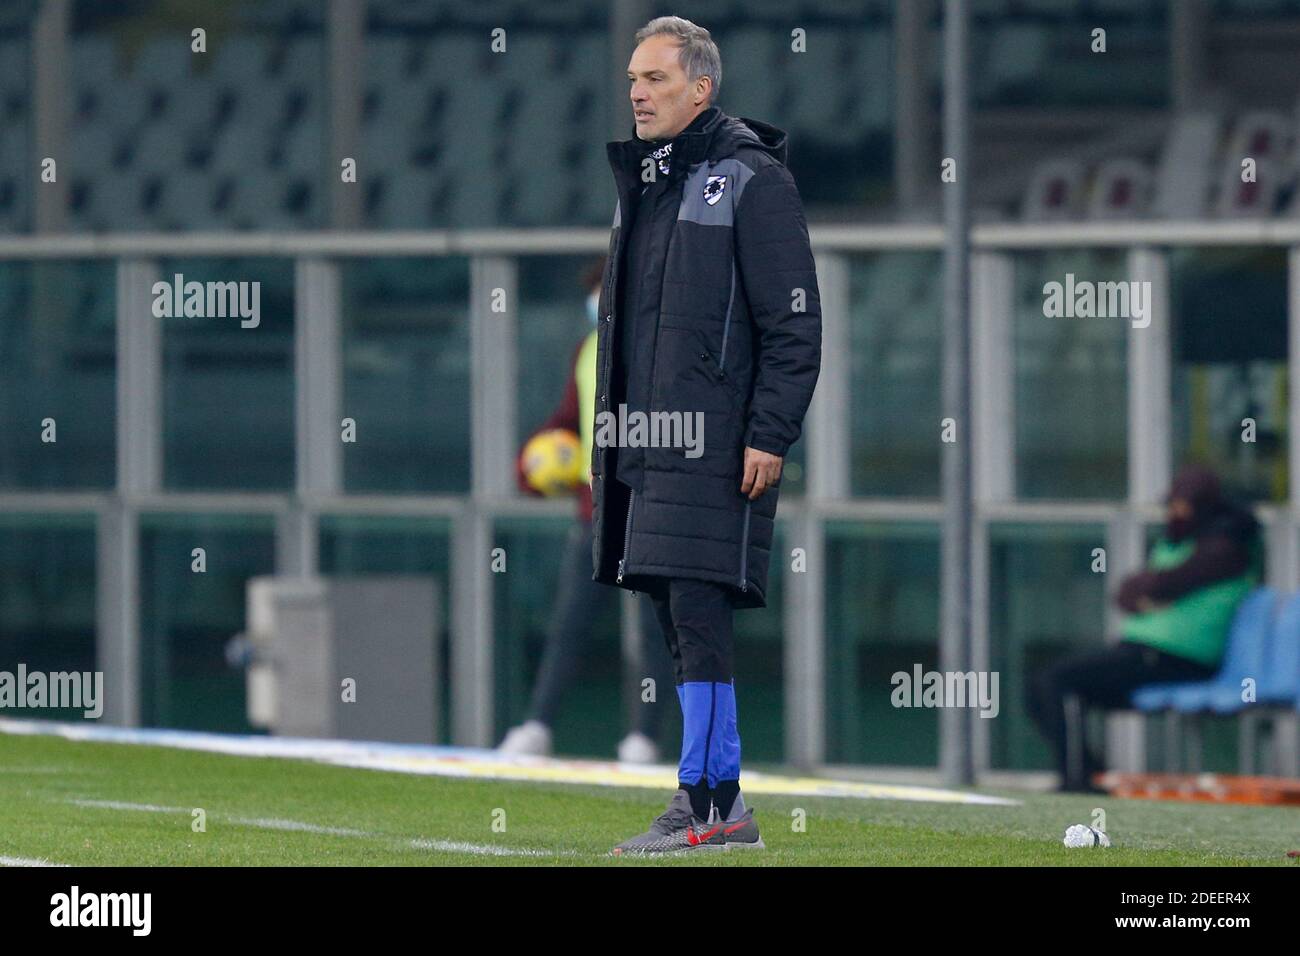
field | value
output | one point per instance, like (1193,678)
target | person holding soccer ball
(709,313)
(556,460)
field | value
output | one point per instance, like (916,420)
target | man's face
(1178,509)
(663,101)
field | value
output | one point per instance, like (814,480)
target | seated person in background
(1179,609)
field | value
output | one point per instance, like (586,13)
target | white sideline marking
(297,826)
(481,849)
(26,861)
(261,823)
(466,762)
(120,805)
(26,770)
(269,823)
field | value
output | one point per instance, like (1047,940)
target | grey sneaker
(742,834)
(677,828)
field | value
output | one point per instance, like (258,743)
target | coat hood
(738,131)
(1213,511)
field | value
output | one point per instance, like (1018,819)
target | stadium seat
(1120,189)
(301,63)
(873,99)
(299,151)
(13,66)
(94,63)
(13,199)
(235,148)
(386,61)
(747,87)
(164,60)
(116,202)
(258,201)
(1265,137)
(1245,656)
(1278,696)
(1279,682)
(403,201)
(385,149)
(187,200)
(157,149)
(816,82)
(1055,191)
(196,104)
(239,60)
(543,105)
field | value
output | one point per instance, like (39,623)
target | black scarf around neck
(662,153)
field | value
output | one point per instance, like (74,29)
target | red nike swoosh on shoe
(695,840)
(734,828)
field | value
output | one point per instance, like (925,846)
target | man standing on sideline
(709,312)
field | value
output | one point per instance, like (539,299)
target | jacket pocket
(688,385)
(717,372)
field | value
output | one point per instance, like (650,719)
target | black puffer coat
(738,338)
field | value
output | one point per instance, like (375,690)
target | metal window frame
(493,264)
(319,488)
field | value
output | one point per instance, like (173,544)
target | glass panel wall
(188,616)
(228,384)
(882,618)
(894,379)
(1071,391)
(47,598)
(1045,602)
(1230,365)
(406,375)
(58,375)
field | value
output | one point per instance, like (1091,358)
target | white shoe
(636,747)
(532,738)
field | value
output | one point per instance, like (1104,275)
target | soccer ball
(553,462)
(1081,835)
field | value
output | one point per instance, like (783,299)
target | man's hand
(1132,595)
(761,472)
(1131,589)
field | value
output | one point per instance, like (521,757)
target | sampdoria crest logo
(713,188)
(663,154)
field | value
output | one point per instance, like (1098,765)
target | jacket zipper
(744,550)
(726,325)
(610,290)
(668,254)
(627,534)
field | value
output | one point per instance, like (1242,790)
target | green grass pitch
(103,804)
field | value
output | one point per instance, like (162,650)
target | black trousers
(579,600)
(1101,679)
(695,618)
